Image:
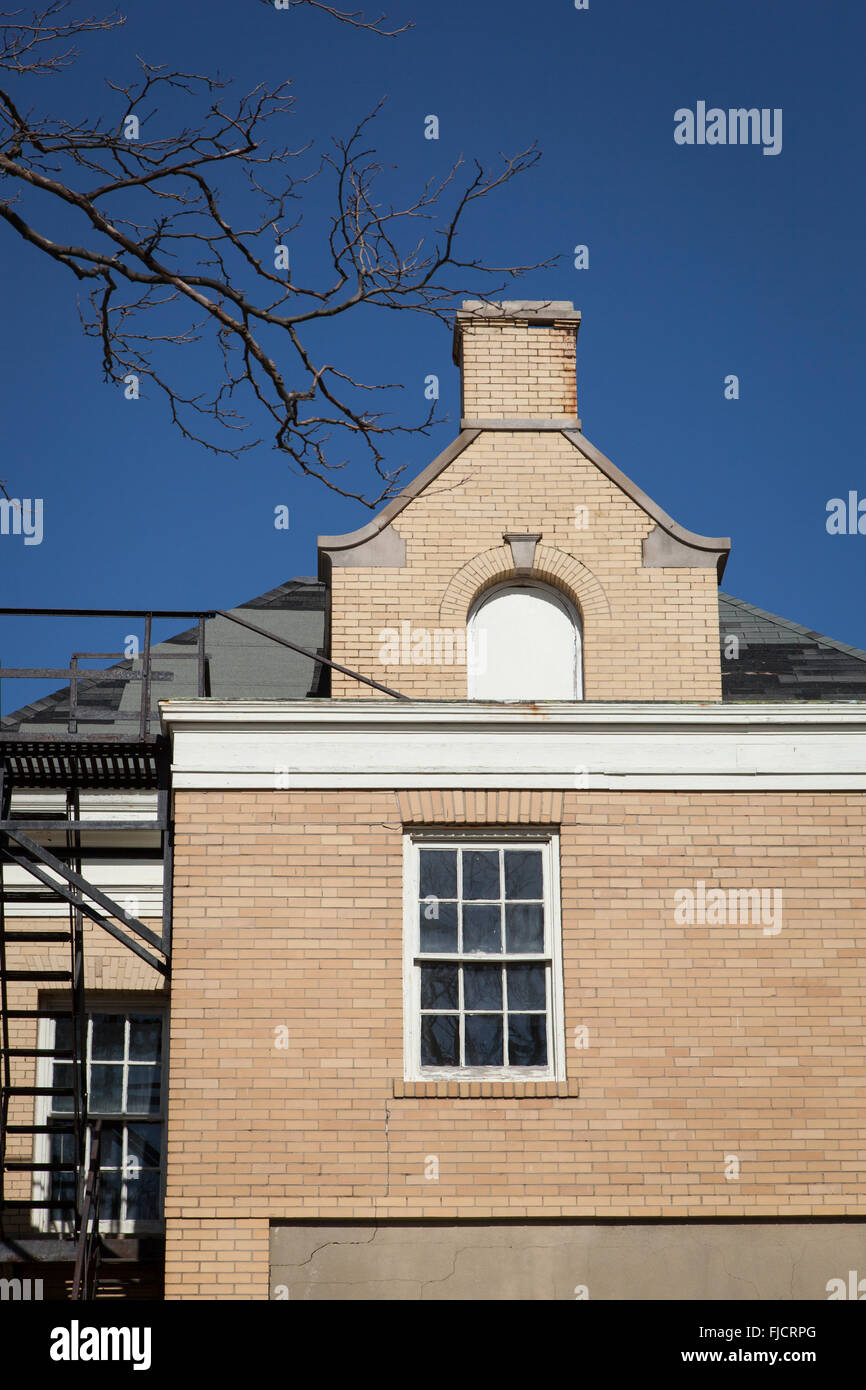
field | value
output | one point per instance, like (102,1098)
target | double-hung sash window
(124,1078)
(483,969)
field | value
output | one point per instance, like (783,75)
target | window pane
(109,1195)
(481,873)
(62,1148)
(482,929)
(527,1040)
(482,987)
(484,1040)
(438,873)
(106,1087)
(63,1034)
(438,926)
(142,1196)
(144,1143)
(62,1185)
(472,1013)
(107,1037)
(142,1090)
(524,927)
(527,987)
(62,1190)
(62,1076)
(523,877)
(440,1041)
(111,1153)
(145,1038)
(439,987)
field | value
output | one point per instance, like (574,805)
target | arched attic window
(524,643)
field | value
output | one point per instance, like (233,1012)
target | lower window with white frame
(125,1055)
(483,958)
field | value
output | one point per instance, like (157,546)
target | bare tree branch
(173,258)
(356,19)
(31,47)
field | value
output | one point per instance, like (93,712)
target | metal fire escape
(72,763)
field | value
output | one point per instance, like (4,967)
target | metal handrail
(77,674)
(87,1251)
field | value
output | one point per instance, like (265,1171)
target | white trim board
(285,745)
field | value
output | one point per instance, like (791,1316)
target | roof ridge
(819,637)
(309,581)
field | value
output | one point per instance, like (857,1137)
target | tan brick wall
(207,1259)
(518,371)
(704,1040)
(648,634)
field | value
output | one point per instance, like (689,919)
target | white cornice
(628,746)
(208,712)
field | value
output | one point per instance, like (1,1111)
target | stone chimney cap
(559,313)
(545,309)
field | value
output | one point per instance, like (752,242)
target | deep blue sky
(703,262)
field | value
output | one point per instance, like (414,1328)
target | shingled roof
(780,660)
(776,660)
(240,665)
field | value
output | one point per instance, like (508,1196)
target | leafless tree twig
(187,236)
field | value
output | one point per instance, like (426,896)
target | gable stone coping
(662,551)
(717,548)
(332,546)
(707,550)
(559,422)
(385,549)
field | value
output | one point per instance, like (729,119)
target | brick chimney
(518,360)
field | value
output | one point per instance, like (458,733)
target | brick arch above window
(555,567)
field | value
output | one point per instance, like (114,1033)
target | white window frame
(513,586)
(498,838)
(97,1003)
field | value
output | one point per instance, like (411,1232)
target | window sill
(483,1090)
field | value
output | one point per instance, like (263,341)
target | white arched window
(524,644)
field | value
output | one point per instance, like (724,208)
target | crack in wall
(324,1246)
(595,1263)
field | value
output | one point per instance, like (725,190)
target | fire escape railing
(76,675)
(148,675)
(87,1251)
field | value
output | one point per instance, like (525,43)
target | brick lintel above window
(440,806)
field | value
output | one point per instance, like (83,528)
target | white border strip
(388,713)
(357,744)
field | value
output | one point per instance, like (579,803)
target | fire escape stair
(67,1208)
(61,882)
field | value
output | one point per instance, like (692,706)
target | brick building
(542,981)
